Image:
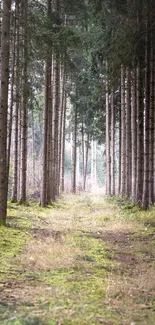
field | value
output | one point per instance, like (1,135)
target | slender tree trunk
(16,113)
(128,133)
(56,124)
(95,165)
(63,82)
(33,146)
(112,143)
(123,133)
(134,133)
(63,146)
(43,200)
(108,162)
(44,185)
(152,103)
(24,109)
(92,162)
(74,153)
(145,198)
(140,135)
(4,108)
(83,152)
(86,162)
(120,151)
(10,115)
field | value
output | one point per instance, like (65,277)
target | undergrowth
(82,260)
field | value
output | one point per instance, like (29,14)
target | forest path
(86,260)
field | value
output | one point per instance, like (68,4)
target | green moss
(77,295)
(80,289)
(11,243)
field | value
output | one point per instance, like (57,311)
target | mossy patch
(11,243)
(108,277)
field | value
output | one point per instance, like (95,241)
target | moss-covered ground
(84,260)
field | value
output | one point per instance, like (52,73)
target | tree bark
(123,133)
(44,185)
(23,197)
(112,143)
(16,112)
(128,133)
(74,152)
(86,162)
(134,133)
(63,145)
(145,198)
(4,108)
(108,160)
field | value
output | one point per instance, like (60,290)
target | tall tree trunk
(112,143)
(120,151)
(4,108)
(43,199)
(83,151)
(86,162)
(145,198)
(24,108)
(56,124)
(50,134)
(74,152)
(108,158)
(140,135)
(63,145)
(33,146)
(123,133)
(128,132)
(134,133)
(92,162)
(63,82)
(16,112)
(10,115)
(152,103)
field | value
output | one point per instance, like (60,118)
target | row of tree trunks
(136,122)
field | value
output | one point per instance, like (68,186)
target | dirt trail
(85,261)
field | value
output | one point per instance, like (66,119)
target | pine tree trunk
(123,134)
(108,158)
(152,103)
(86,162)
(24,108)
(145,198)
(56,125)
(120,151)
(4,108)
(44,185)
(128,133)
(83,152)
(63,146)
(43,200)
(16,112)
(112,143)
(74,153)
(10,115)
(92,162)
(134,133)
(33,146)
(95,164)
(140,135)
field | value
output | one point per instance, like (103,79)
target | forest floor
(85,260)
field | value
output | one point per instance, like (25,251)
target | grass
(84,260)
